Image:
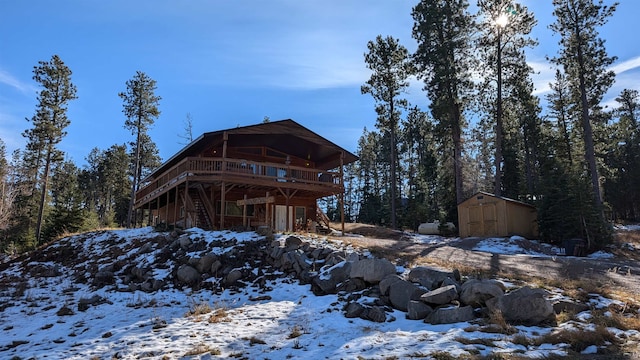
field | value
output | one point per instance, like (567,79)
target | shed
(485,215)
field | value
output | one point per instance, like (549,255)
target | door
(281,217)
(483,220)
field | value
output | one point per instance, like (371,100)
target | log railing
(219,167)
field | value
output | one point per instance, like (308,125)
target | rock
(327,281)
(138,273)
(450,315)
(417,310)
(204,263)
(476,292)
(146,248)
(372,270)
(188,275)
(292,243)
(184,241)
(569,307)
(401,292)
(102,278)
(84,303)
(385,283)
(352,285)
(375,314)
(440,296)
(353,310)
(429,277)
(525,306)
(64,311)
(352,257)
(334,258)
(233,276)
(215,267)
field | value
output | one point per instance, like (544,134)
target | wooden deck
(238,171)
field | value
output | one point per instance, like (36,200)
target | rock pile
(424,293)
(372,288)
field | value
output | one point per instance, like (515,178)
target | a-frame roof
(286,136)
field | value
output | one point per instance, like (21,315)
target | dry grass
(296,331)
(219,315)
(579,340)
(496,318)
(199,308)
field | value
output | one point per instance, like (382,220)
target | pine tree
(622,187)
(67,215)
(391,67)
(141,109)
(49,123)
(443,30)
(585,62)
(505,27)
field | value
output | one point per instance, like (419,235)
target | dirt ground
(621,271)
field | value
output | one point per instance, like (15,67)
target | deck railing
(219,167)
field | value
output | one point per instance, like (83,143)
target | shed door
(483,220)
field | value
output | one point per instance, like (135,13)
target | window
(233,209)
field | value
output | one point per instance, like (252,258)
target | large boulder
(429,277)
(450,315)
(292,243)
(372,270)
(188,275)
(440,296)
(328,280)
(204,263)
(401,292)
(417,310)
(476,292)
(385,283)
(524,306)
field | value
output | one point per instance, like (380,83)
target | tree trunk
(589,150)
(43,196)
(134,184)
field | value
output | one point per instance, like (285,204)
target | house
(270,174)
(485,215)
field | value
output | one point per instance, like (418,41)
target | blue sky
(230,63)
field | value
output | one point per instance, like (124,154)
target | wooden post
(244,212)
(286,202)
(267,213)
(184,203)
(166,211)
(175,209)
(222,204)
(342,192)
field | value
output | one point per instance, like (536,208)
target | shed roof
(283,135)
(513,201)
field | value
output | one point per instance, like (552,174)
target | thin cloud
(12,81)
(626,65)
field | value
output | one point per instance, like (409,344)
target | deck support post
(342,192)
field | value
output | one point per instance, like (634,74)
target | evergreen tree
(622,187)
(391,67)
(141,109)
(443,30)
(585,62)
(67,215)
(49,123)
(505,27)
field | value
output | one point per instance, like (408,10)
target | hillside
(127,294)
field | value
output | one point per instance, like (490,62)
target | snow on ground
(287,322)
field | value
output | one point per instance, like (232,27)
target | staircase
(202,219)
(323,221)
